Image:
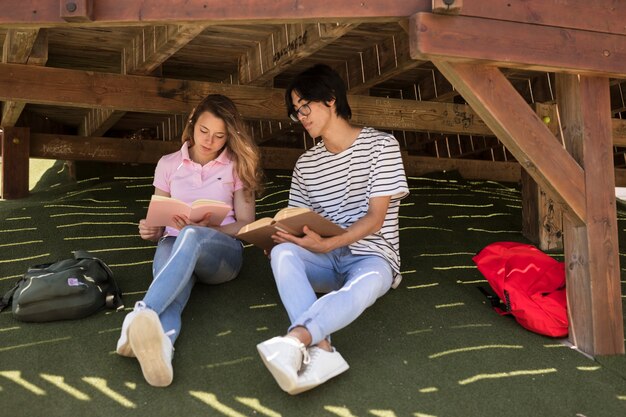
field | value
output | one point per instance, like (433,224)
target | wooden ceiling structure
(485,87)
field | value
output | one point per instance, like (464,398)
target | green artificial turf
(433,347)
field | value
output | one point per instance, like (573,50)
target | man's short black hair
(319,83)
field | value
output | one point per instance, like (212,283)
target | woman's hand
(152,233)
(182,221)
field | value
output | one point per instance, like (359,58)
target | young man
(355,178)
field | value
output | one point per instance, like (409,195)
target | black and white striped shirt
(339,187)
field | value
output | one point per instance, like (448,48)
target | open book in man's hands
(162,209)
(291,220)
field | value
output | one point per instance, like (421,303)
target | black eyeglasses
(304,110)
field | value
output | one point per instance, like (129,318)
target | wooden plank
(142,12)
(518,45)
(468,168)
(517,126)
(592,249)
(286,47)
(45,85)
(76,148)
(98,121)
(15,148)
(156,44)
(381,62)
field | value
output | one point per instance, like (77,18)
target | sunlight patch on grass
(59,382)
(20,243)
(255,405)
(7,329)
(101,385)
(28,258)
(473,348)
(228,363)
(263,306)
(449,305)
(98,237)
(434,284)
(339,411)
(42,342)
(383,413)
(498,375)
(212,401)
(16,376)
(588,368)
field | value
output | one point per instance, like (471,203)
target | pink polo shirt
(188,181)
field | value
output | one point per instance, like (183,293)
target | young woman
(218,160)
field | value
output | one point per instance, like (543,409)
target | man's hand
(310,241)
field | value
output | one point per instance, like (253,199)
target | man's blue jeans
(351,283)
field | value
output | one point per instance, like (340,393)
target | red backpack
(530,283)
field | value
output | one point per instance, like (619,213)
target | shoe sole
(124,349)
(146,336)
(339,370)
(285,381)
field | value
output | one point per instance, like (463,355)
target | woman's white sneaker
(152,347)
(123,346)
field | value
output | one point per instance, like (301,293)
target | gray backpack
(63,290)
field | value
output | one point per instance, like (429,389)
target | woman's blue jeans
(351,283)
(197,254)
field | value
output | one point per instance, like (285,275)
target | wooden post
(592,249)
(542,216)
(15,153)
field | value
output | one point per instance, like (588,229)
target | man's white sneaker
(283,356)
(123,346)
(152,347)
(323,366)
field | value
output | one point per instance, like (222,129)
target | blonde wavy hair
(243,149)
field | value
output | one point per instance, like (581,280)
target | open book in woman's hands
(162,209)
(290,220)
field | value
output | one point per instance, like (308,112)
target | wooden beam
(154,45)
(605,16)
(26,46)
(517,126)
(619,132)
(541,48)
(592,249)
(73,88)
(76,148)
(380,62)
(285,47)
(14,144)
(148,50)
(142,12)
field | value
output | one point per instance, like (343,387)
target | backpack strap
(7,298)
(499,307)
